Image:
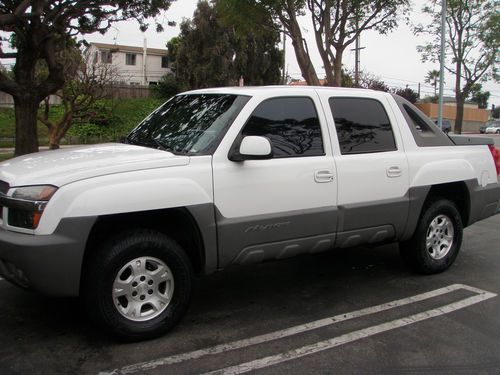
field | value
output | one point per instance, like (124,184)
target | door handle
(394,171)
(323,176)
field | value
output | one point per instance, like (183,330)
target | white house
(134,65)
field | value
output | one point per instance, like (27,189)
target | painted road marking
(350,337)
(178,358)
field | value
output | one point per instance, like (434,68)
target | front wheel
(436,242)
(138,285)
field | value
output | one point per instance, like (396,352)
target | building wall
(132,74)
(473,116)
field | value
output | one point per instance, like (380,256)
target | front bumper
(49,264)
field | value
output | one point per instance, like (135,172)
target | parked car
(446,125)
(493,128)
(225,176)
(482,129)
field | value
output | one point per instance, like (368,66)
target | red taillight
(496,157)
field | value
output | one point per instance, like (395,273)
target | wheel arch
(177,223)
(422,197)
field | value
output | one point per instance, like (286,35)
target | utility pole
(357,55)
(283,78)
(442,62)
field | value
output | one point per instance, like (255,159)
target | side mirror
(253,148)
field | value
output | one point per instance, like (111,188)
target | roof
(122,48)
(285,89)
(322,82)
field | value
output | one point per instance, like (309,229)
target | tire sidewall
(118,252)
(421,257)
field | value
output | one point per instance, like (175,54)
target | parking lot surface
(348,311)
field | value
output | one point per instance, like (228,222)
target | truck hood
(67,165)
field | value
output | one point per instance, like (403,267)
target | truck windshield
(189,124)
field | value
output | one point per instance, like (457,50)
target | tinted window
(362,126)
(291,124)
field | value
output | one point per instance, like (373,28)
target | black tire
(415,251)
(498,131)
(101,272)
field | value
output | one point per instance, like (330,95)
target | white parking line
(349,337)
(149,365)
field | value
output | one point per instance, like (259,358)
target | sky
(393,57)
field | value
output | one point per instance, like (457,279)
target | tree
(260,16)
(472,44)
(42,28)
(338,23)
(371,82)
(78,95)
(480,97)
(432,78)
(495,113)
(408,94)
(208,53)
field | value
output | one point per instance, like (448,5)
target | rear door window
(362,126)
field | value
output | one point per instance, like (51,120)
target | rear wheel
(437,239)
(138,285)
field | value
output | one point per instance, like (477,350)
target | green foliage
(167,87)
(6,156)
(85,130)
(124,115)
(432,78)
(408,94)
(210,53)
(480,97)
(7,122)
(40,30)
(496,113)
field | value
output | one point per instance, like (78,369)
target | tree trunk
(26,110)
(54,140)
(337,68)
(301,53)
(57,132)
(460,113)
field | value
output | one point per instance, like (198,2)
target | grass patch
(109,121)
(4,157)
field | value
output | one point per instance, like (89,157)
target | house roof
(122,48)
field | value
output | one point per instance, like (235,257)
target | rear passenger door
(283,206)
(372,167)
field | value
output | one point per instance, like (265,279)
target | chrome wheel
(143,289)
(439,239)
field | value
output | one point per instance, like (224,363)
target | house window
(164,62)
(130,58)
(106,57)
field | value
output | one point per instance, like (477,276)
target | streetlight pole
(442,62)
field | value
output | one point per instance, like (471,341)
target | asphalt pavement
(353,311)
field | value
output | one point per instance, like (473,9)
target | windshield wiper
(163,147)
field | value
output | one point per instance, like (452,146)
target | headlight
(27,203)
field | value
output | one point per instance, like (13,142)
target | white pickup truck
(234,176)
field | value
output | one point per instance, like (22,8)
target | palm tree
(432,77)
